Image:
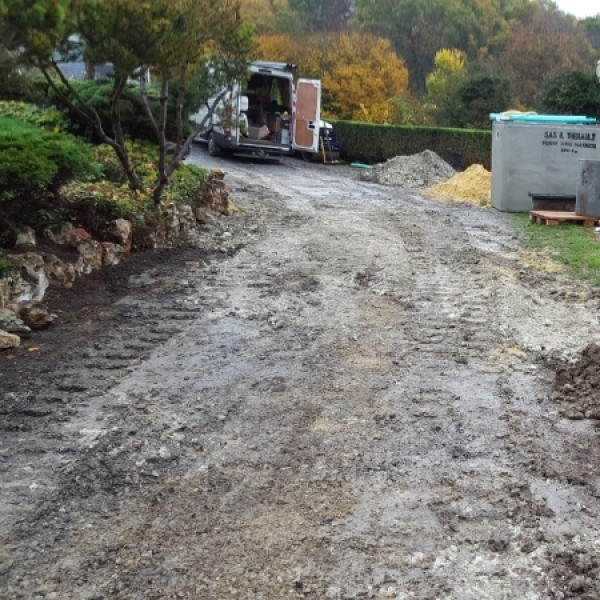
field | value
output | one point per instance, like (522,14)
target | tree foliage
(543,45)
(591,25)
(34,161)
(165,36)
(481,94)
(297,17)
(419,28)
(576,93)
(360,73)
(444,82)
(278,47)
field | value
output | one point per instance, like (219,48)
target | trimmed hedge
(369,143)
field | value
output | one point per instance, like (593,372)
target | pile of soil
(579,385)
(416,171)
(472,186)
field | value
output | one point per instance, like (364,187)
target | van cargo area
(269,109)
(268,113)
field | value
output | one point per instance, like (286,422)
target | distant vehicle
(271,114)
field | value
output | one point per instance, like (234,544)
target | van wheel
(213,148)
(307,156)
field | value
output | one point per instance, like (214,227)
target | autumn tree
(277,47)
(265,15)
(545,44)
(419,28)
(443,84)
(360,74)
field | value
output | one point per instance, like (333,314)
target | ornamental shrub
(48,118)
(34,161)
(24,87)
(134,121)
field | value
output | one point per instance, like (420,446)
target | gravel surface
(344,391)
(415,171)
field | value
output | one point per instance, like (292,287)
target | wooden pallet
(553,217)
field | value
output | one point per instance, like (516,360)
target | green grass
(570,244)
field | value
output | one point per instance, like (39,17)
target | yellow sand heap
(472,185)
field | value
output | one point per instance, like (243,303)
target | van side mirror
(243,103)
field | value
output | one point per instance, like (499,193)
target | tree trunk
(120,148)
(94,120)
(162,178)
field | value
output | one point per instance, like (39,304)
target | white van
(269,114)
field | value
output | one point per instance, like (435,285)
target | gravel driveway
(343,391)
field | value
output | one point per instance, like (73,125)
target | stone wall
(22,294)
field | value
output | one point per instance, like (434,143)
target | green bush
(186,184)
(48,118)
(97,204)
(142,154)
(29,87)
(7,267)
(575,93)
(134,121)
(365,142)
(34,161)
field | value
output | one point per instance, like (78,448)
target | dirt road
(343,391)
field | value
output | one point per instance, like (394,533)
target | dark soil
(579,385)
(88,308)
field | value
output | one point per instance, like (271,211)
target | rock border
(21,295)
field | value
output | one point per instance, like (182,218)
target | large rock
(112,253)
(203,215)
(62,234)
(66,234)
(59,271)
(25,239)
(213,196)
(35,315)
(91,256)
(121,229)
(80,235)
(9,340)
(172,221)
(186,217)
(5,293)
(10,322)
(33,281)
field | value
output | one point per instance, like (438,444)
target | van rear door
(307,115)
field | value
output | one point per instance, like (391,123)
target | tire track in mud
(345,417)
(487,500)
(453,323)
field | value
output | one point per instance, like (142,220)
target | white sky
(579,8)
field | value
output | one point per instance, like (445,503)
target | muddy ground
(344,391)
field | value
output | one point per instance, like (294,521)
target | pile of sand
(472,185)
